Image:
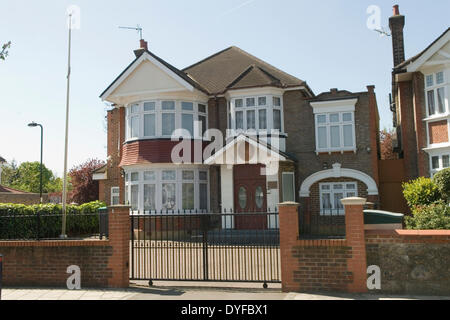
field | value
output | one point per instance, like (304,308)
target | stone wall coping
(409,232)
(55,243)
(354,201)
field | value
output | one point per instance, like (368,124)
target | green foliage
(435,216)
(26,177)
(422,191)
(442,181)
(18,221)
(4,50)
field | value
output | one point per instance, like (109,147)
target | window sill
(437,117)
(340,213)
(331,151)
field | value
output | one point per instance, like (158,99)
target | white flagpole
(64,195)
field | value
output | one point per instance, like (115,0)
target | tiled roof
(5,189)
(235,68)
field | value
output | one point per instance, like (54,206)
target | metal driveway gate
(233,247)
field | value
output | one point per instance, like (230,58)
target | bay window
(435,93)
(335,131)
(153,119)
(167,190)
(259,114)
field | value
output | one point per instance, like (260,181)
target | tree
(386,146)
(26,177)
(84,188)
(4,52)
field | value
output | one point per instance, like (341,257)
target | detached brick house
(421,92)
(324,147)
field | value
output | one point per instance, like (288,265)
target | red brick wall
(420,129)
(44,263)
(116,137)
(438,131)
(407,123)
(322,265)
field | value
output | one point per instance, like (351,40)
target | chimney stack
(143,44)
(396,24)
(143,47)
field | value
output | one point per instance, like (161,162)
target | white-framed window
(435,93)
(167,189)
(115,196)
(439,162)
(288,183)
(160,118)
(258,114)
(335,131)
(331,194)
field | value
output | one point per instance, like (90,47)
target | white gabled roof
(221,157)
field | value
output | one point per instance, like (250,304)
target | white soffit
(415,66)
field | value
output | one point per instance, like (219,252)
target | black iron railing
(192,246)
(325,224)
(47,226)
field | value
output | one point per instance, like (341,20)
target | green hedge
(435,216)
(18,221)
(421,191)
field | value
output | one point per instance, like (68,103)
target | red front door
(250,200)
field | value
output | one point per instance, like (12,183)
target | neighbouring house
(421,91)
(274,139)
(10,195)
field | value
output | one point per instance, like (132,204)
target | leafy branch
(4,52)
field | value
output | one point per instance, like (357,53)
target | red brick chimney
(143,47)
(143,44)
(396,24)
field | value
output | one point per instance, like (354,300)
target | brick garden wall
(411,262)
(322,265)
(44,263)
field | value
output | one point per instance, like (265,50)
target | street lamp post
(34,124)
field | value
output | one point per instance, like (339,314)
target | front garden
(429,200)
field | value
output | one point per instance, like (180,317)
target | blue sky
(325,43)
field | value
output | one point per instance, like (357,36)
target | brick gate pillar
(288,214)
(354,233)
(119,238)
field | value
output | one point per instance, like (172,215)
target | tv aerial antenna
(382,32)
(138,28)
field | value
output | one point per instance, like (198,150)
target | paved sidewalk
(187,291)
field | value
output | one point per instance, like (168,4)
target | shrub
(422,191)
(18,221)
(442,181)
(435,216)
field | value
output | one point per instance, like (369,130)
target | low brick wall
(44,263)
(411,262)
(319,265)
(323,265)
(103,263)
